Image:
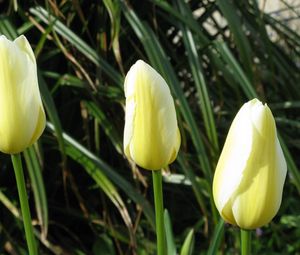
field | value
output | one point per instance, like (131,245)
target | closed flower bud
(22,117)
(151,134)
(251,171)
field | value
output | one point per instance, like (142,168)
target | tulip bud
(151,134)
(22,117)
(251,171)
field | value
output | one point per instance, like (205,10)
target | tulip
(22,117)
(251,171)
(151,134)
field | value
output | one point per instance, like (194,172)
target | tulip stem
(159,211)
(17,164)
(245,242)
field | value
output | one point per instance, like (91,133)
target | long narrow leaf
(99,169)
(171,247)
(52,113)
(229,10)
(38,186)
(216,238)
(78,43)
(236,69)
(106,124)
(205,105)
(188,244)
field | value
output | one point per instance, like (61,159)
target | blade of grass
(52,113)
(204,44)
(237,71)
(115,17)
(295,177)
(76,150)
(57,250)
(190,174)
(205,105)
(106,124)
(216,238)
(78,43)
(285,105)
(38,187)
(187,19)
(235,24)
(188,244)
(171,247)
(7,28)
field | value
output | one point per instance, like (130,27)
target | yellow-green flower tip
(251,171)
(22,116)
(151,134)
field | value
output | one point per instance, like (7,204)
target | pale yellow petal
(151,132)
(233,159)
(20,102)
(40,126)
(176,147)
(256,193)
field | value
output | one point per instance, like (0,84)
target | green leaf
(104,246)
(204,100)
(115,17)
(52,113)
(216,238)
(7,28)
(105,176)
(38,187)
(107,125)
(236,26)
(236,69)
(78,43)
(188,244)
(171,247)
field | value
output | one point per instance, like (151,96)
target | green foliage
(85,196)
(188,244)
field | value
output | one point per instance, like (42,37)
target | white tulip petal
(20,101)
(233,160)
(251,171)
(151,136)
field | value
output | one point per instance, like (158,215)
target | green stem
(246,242)
(159,211)
(17,164)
